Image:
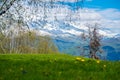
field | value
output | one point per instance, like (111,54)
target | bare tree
(93,37)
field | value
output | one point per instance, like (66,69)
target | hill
(56,67)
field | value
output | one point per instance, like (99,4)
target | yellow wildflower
(82,60)
(98,61)
(78,59)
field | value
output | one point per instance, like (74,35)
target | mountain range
(67,38)
(65,21)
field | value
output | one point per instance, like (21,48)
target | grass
(56,67)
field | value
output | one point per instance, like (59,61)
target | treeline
(26,42)
(16,36)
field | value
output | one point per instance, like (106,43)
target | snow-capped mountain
(61,20)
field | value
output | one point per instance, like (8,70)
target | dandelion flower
(98,61)
(82,60)
(78,59)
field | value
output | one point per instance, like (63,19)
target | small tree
(93,38)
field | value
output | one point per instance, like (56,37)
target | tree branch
(2,10)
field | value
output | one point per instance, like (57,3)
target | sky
(110,12)
(103,4)
(107,11)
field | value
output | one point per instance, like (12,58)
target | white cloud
(110,13)
(111,20)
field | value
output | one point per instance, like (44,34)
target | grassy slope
(56,67)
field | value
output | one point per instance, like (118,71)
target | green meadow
(56,67)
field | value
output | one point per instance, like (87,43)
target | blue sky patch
(101,4)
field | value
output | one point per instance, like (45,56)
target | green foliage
(27,42)
(56,67)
